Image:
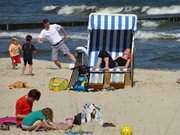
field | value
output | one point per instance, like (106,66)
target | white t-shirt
(52,34)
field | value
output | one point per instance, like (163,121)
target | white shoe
(71,65)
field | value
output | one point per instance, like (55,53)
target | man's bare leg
(58,63)
(71,57)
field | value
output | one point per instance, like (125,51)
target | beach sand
(151,107)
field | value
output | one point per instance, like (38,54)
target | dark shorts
(103,55)
(112,63)
(28,61)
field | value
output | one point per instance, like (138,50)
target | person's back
(23,107)
(31,118)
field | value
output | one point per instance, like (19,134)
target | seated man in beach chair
(105,60)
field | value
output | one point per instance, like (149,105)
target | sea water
(157,44)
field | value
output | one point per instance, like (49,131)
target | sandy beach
(151,107)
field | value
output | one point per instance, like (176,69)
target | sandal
(4,127)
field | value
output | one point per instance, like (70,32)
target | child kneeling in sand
(42,119)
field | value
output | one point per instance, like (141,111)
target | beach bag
(81,84)
(58,84)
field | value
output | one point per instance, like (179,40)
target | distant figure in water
(14,52)
(51,33)
(105,60)
(28,50)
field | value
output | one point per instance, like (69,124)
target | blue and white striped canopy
(112,21)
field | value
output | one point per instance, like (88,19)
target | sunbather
(105,60)
(42,119)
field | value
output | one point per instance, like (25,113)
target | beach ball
(126,130)
(57,84)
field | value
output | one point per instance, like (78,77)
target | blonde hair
(48,112)
(15,41)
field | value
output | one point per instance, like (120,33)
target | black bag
(77,119)
(83,69)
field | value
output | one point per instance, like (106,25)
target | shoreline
(14,23)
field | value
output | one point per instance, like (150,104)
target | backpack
(81,84)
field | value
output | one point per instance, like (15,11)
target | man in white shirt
(51,33)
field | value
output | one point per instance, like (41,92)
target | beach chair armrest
(111,70)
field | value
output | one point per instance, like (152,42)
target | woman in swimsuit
(105,60)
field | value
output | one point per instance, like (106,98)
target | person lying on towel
(105,60)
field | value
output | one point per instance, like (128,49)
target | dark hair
(28,38)
(35,94)
(48,113)
(45,21)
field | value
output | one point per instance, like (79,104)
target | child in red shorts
(14,52)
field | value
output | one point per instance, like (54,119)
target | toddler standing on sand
(14,52)
(28,50)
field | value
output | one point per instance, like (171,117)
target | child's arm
(40,40)
(34,50)
(49,126)
(20,49)
(10,50)
(19,116)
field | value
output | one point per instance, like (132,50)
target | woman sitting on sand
(42,119)
(105,60)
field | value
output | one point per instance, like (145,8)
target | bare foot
(31,74)
(178,81)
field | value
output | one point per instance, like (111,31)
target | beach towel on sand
(8,120)
(79,133)
(19,84)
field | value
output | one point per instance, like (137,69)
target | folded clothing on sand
(90,112)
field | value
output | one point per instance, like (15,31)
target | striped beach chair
(113,33)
